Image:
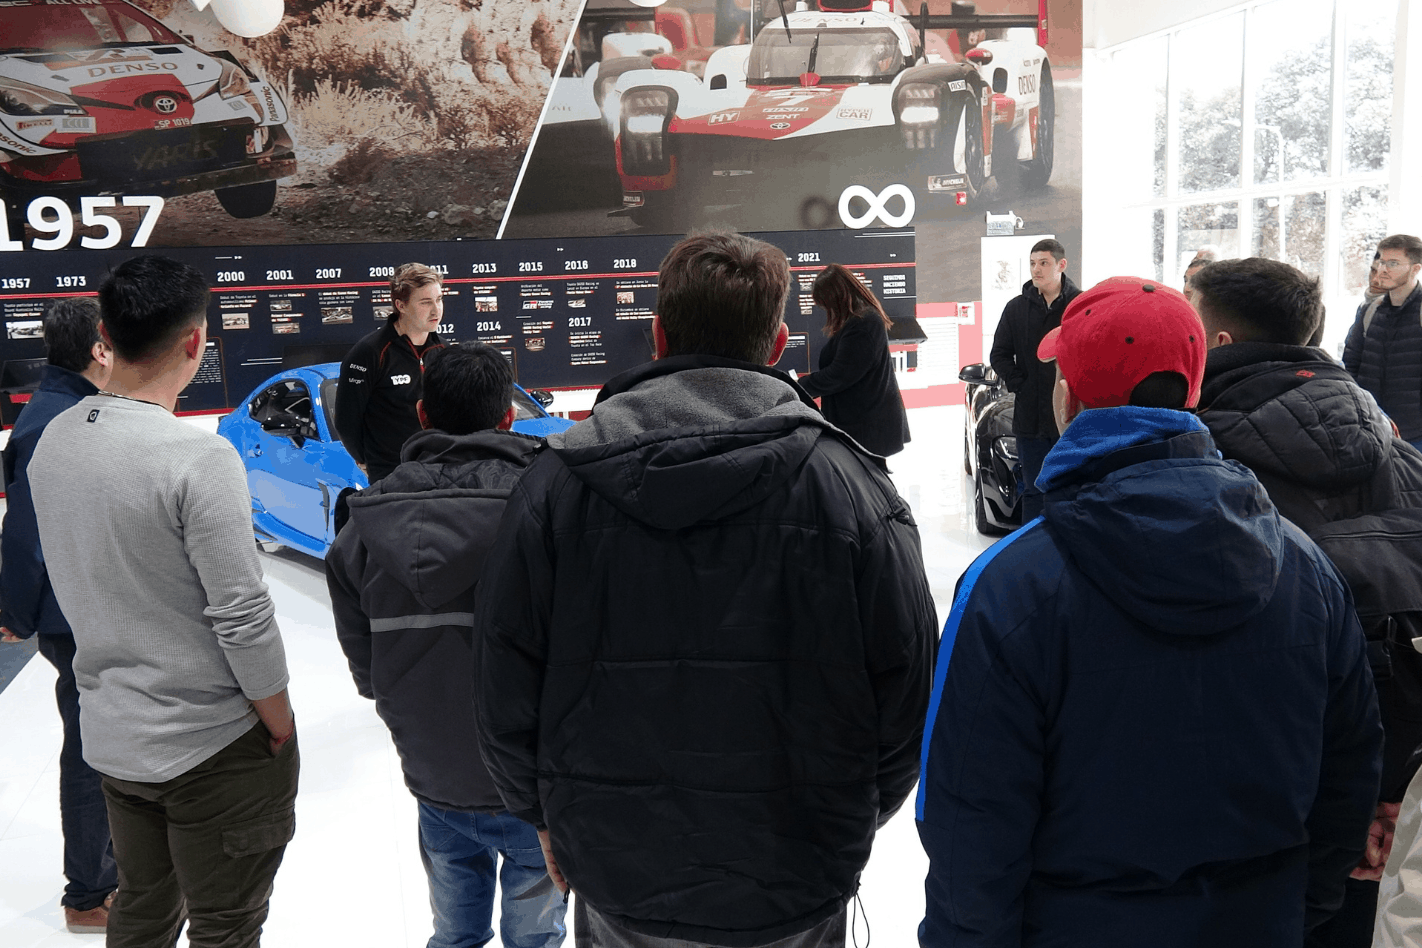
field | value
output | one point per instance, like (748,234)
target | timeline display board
(569,313)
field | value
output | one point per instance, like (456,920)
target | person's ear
(101,353)
(507,421)
(1065,406)
(193,348)
(659,337)
(420,414)
(1062,265)
(782,337)
(1220,338)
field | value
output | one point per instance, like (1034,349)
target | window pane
(1364,224)
(1205,70)
(1215,226)
(1367,93)
(1291,69)
(1158,243)
(1138,98)
(1291,228)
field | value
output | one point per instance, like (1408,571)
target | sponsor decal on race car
(15,145)
(722,117)
(958,85)
(172,123)
(128,69)
(78,125)
(947,182)
(779,125)
(859,115)
(786,108)
(34,123)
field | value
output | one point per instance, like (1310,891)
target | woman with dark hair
(855,383)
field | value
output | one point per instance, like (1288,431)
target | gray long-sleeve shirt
(145,523)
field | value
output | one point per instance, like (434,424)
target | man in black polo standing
(1025,320)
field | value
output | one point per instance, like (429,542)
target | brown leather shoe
(94,921)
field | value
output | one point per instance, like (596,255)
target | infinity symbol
(878,206)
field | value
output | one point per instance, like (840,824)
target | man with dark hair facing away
(1025,320)
(706,635)
(404,579)
(146,526)
(1153,720)
(1324,451)
(1384,347)
(79,365)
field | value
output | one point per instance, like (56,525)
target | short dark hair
(1161,390)
(467,388)
(1406,243)
(1258,300)
(148,303)
(71,330)
(1053,247)
(723,294)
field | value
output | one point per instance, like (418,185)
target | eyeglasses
(1391,266)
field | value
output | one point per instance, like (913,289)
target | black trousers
(204,846)
(88,854)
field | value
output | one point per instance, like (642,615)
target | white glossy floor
(352,877)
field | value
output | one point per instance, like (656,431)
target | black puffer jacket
(1387,359)
(402,576)
(1316,441)
(707,649)
(1025,320)
(857,388)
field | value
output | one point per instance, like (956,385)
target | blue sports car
(285,432)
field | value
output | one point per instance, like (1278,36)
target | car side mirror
(976,373)
(541,396)
(285,426)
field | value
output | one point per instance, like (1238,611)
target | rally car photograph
(297,468)
(771,123)
(100,98)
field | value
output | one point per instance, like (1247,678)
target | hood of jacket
(1291,412)
(693,438)
(444,501)
(1183,541)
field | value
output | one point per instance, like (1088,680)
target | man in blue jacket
(1153,720)
(79,365)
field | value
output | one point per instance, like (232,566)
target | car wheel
(248,200)
(1038,171)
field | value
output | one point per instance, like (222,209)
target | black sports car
(990,452)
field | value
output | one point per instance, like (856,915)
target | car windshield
(855,55)
(64,27)
(525,408)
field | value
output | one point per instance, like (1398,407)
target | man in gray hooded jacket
(403,576)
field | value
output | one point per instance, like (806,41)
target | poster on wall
(843,114)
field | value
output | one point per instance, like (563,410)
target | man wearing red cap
(1153,721)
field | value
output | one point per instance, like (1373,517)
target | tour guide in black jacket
(707,642)
(375,401)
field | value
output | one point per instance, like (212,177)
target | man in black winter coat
(403,576)
(1384,348)
(707,636)
(1025,320)
(1323,449)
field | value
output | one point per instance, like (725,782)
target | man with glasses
(1384,349)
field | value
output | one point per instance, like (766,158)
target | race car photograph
(990,452)
(838,113)
(297,468)
(101,99)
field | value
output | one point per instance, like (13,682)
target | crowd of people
(681,661)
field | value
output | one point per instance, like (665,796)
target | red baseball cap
(1120,331)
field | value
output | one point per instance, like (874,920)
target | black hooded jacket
(1025,320)
(1317,441)
(402,575)
(707,642)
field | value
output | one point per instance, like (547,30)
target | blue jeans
(460,852)
(83,816)
(1032,452)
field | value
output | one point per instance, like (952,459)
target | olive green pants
(204,846)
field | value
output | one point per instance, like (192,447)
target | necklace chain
(130,398)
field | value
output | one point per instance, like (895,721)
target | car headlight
(919,108)
(1006,446)
(233,81)
(645,116)
(21,98)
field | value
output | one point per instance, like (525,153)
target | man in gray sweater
(145,522)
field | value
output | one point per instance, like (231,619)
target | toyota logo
(165,104)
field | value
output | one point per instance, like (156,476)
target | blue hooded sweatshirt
(1153,721)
